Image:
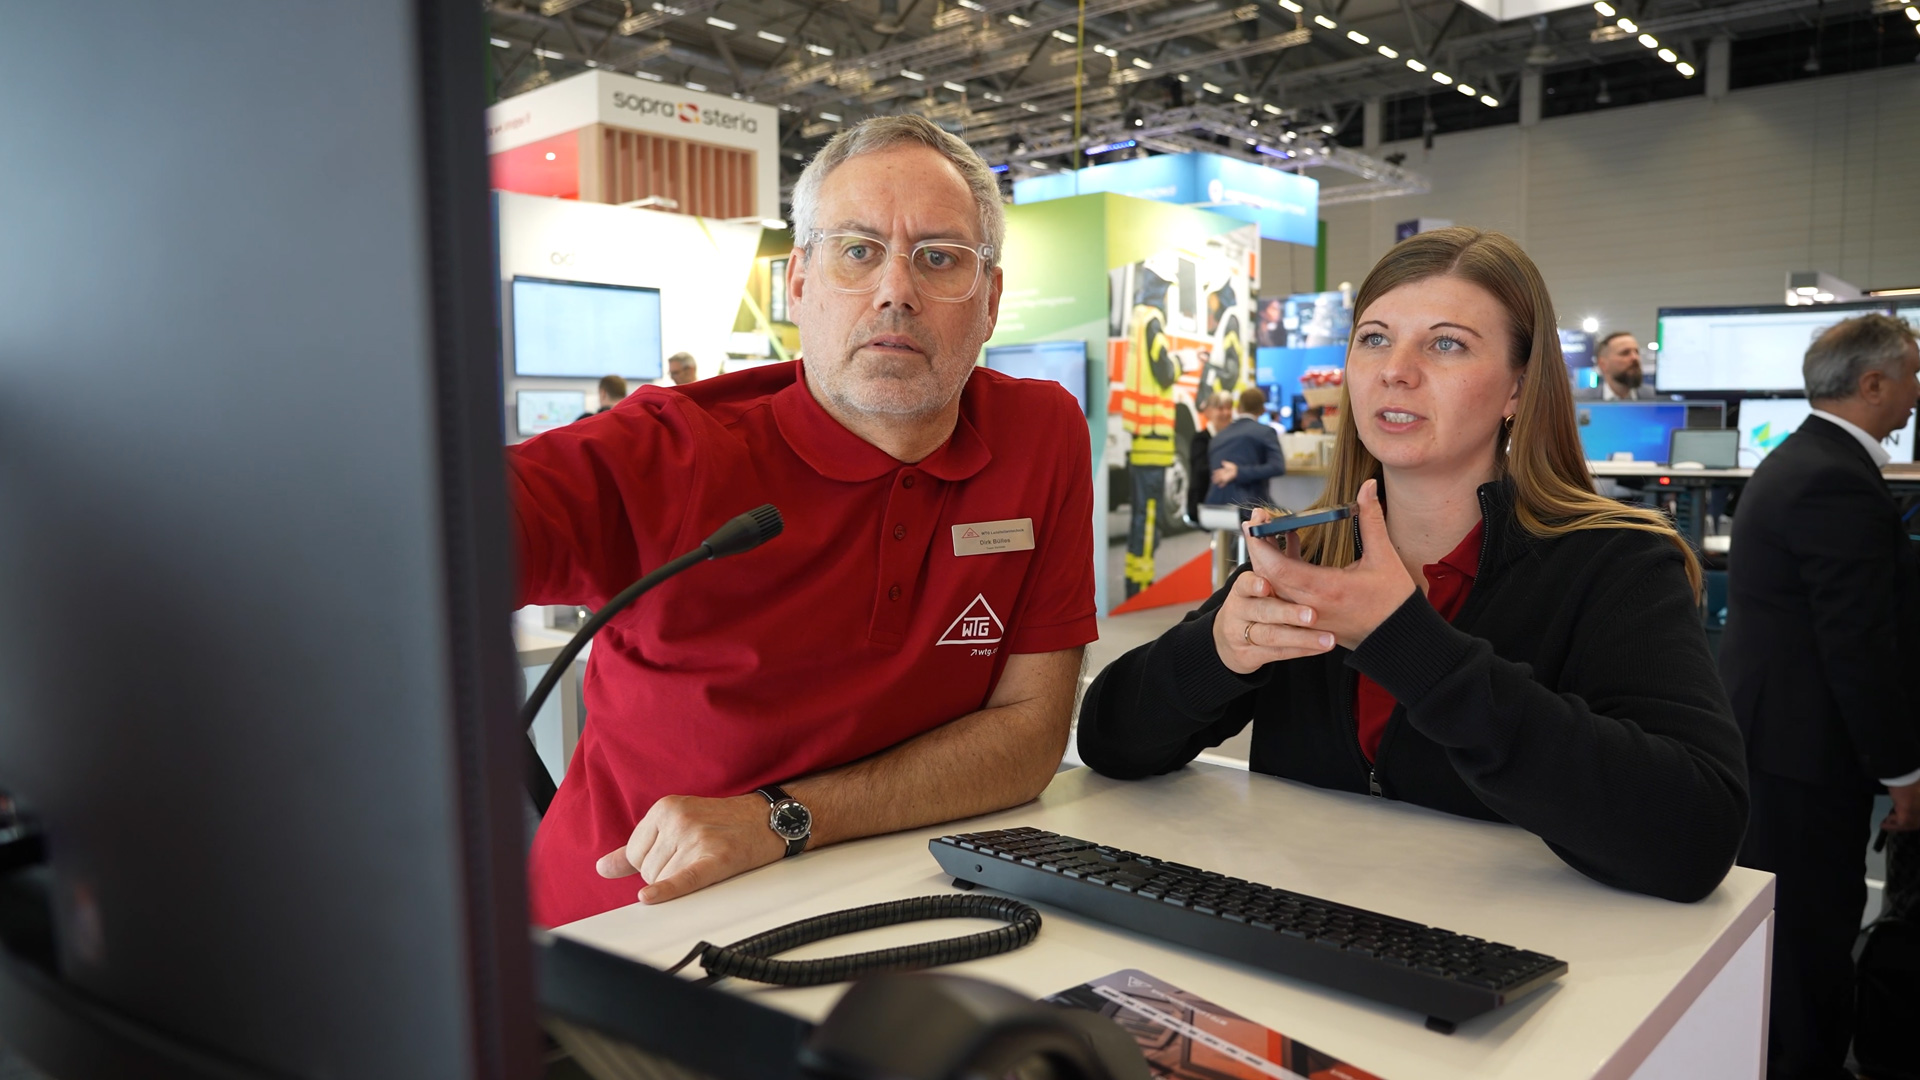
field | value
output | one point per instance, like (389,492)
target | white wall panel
(1680,202)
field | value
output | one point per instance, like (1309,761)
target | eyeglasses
(944,270)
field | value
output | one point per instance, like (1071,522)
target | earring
(1506,425)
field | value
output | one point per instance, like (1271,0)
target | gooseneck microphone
(743,533)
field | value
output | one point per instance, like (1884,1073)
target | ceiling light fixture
(819,50)
(1273,110)
(1358,38)
(500,44)
(1415,64)
(1064,36)
(551,155)
(914,75)
(722,23)
(1668,55)
(1242,99)
(1210,88)
(993,97)
(1628,25)
(1685,69)
(1142,62)
(1018,21)
(1291,6)
(764,35)
(1326,22)
(1467,90)
(1389,53)
(549,54)
(955,87)
(695,86)
(1649,41)
(1489,101)
(1605,9)
(1443,78)
(833,117)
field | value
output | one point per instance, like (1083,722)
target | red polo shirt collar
(839,454)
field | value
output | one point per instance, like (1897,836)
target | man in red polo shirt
(906,652)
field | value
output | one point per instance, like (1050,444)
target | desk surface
(1636,963)
(1897,471)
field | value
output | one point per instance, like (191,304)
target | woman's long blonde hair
(1553,494)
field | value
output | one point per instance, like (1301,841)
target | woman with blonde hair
(1489,637)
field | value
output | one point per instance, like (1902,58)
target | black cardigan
(1573,695)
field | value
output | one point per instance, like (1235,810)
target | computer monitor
(1711,448)
(1639,428)
(1756,349)
(1706,414)
(255,664)
(544,410)
(583,330)
(1064,362)
(1765,423)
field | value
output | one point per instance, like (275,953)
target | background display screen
(1640,428)
(1756,349)
(576,330)
(544,410)
(1064,362)
(1765,424)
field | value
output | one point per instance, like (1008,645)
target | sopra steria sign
(603,97)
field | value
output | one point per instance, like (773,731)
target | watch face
(791,820)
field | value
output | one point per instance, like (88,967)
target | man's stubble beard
(844,385)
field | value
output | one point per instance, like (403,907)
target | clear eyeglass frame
(983,256)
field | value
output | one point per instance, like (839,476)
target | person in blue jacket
(1245,456)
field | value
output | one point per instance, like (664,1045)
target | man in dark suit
(1822,642)
(1245,456)
(1618,359)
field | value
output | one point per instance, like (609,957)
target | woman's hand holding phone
(1348,602)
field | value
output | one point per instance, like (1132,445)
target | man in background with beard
(1618,359)
(906,651)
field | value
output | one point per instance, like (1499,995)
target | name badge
(993,537)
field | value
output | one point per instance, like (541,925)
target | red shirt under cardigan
(1448,583)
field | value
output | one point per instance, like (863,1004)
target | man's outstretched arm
(1000,756)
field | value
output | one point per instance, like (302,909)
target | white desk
(1656,989)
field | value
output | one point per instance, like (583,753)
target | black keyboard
(1447,976)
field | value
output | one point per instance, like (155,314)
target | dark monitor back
(255,671)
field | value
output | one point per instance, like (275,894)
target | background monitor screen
(1065,362)
(1765,424)
(578,330)
(544,410)
(1713,448)
(1706,414)
(1750,348)
(1640,428)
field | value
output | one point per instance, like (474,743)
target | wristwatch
(789,820)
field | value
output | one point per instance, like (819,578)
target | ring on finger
(1246,633)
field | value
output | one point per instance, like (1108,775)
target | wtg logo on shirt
(977,625)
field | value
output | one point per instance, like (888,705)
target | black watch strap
(775,796)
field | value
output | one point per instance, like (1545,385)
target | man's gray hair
(1847,350)
(886,132)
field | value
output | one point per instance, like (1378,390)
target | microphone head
(746,532)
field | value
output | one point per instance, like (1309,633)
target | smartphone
(1291,522)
